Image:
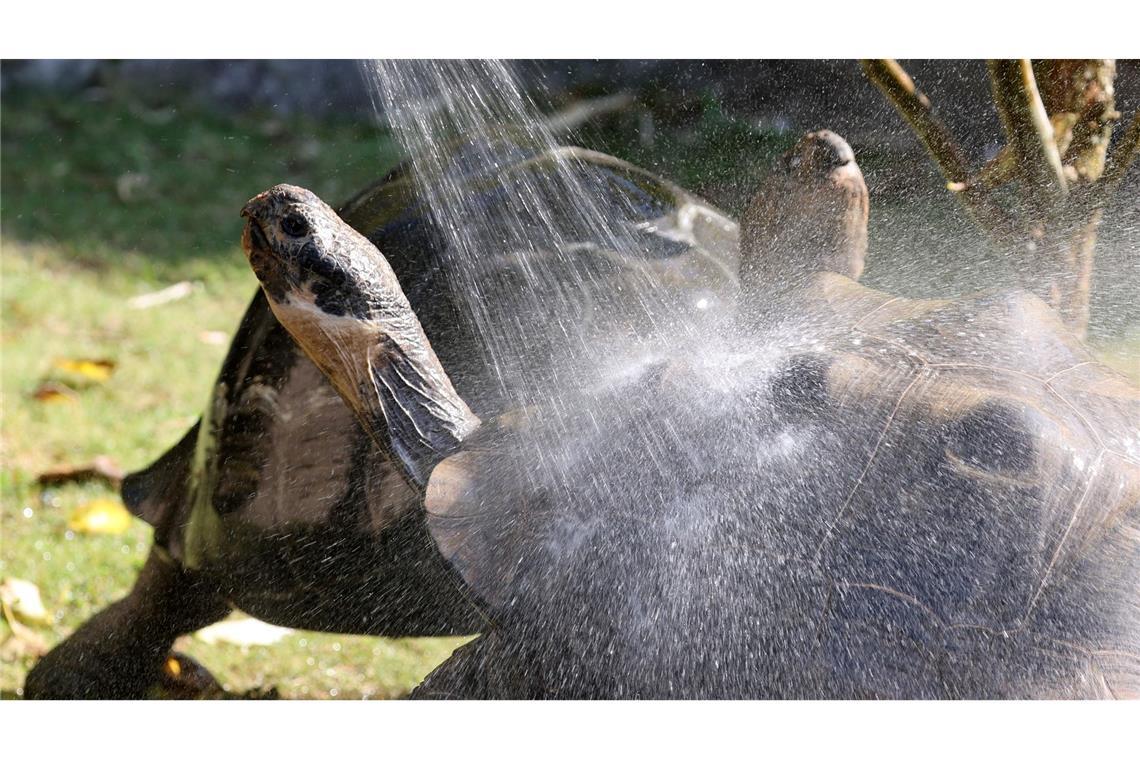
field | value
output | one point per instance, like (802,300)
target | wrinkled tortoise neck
(409,405)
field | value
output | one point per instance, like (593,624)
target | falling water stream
(652,556)
(463,123)
(664,524)
(536,273)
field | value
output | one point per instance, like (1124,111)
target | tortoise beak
(255,210)
(253,237)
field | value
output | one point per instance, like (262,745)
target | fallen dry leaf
(49,392)
(23,643)
(243,632)
(21,601)
(183,677)
(106,516)
(95,370)
(102,467)
(166,295)
(213,337)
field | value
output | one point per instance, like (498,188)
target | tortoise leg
(489,668)
(120,652)
(464,675)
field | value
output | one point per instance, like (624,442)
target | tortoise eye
(294,225)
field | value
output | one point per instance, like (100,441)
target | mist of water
(535,267)
(467,123)
(623,469)
(665,523)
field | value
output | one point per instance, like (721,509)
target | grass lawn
(104,200)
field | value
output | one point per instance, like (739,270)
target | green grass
(78,240)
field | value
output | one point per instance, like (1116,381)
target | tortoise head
(306,256)
(809,216)
(328,286)
(338,297)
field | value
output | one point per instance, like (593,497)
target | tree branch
(893,81)
(997,171)
(1028,131)
(896,84)
(583,111)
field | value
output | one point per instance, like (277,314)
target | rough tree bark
(1055,173)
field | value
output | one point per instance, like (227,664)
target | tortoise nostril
(249,210)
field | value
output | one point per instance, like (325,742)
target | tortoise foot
(183,677)
(123,652)
(67,673)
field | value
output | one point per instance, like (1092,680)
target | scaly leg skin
(120,653)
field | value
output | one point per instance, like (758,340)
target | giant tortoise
(277,503)
(854,495)
(835,493)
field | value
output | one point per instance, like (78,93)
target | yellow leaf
(100,516)
(97,370)
(54,393)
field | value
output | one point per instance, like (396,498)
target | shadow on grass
(114,183)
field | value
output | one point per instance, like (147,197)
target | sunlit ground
(106,201)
